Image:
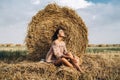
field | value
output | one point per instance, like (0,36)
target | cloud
(75,4)
(14,19)
(102,21)
(36,2)
(12,34)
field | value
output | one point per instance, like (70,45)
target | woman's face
(61,33)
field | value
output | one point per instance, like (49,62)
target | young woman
(58,53)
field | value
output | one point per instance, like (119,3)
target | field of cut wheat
(99,63)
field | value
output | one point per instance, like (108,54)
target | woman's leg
(78,67)
(75,64)
(64,61)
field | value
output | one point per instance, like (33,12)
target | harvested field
(96,67)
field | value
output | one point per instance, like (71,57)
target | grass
(13,53)
(21,51)
(16,52)
(103,50)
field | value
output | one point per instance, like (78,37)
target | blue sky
(102,18)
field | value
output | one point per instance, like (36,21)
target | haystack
(44,24)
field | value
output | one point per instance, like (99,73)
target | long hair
(54,37)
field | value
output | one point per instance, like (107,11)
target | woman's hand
(65,56)
(68,57)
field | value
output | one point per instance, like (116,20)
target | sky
(102,18)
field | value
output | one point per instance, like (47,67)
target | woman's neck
(60,38)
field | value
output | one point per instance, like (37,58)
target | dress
(56,51)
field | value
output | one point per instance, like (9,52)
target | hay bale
(44,24)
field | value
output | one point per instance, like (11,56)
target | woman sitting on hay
(58,53)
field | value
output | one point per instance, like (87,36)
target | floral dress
(56,51)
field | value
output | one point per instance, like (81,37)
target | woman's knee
(70,54)
(63,59)
(79,60)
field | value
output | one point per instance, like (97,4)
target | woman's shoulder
(55,42)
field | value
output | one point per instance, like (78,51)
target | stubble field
(99,63)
